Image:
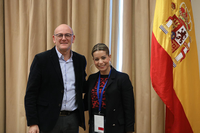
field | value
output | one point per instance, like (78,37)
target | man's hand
(34,129)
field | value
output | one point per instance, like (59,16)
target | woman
(113,110)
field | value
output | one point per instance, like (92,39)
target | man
(53,100)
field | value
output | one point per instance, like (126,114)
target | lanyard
(98,86)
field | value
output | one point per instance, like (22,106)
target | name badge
(99,123)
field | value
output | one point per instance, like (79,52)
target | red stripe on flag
(161,73)
(100,128)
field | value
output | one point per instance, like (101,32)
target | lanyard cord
(98,86)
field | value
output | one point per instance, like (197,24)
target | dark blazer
(44,92)
(120,113)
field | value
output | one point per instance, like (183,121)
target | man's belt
(65,113)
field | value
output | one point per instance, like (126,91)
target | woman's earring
(91,67)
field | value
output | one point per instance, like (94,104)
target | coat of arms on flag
(179,24)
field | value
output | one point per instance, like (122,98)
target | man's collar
(60,56)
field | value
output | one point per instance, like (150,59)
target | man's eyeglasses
(60,35)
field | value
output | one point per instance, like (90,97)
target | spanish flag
(174,65)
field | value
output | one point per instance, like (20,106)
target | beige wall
(2,92)
(195,8)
